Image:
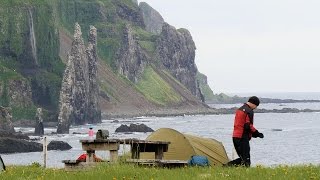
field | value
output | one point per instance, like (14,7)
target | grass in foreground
(125,171)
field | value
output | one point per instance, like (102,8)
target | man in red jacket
(243,131)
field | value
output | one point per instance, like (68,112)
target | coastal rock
(152,18)
(20,93)
(131,60)
(39,129)
(134,128)
(128,12)
(5,120)
(81,78)
(135,2)
(12,145)
(94,112)
(176,50)
(66,96)
(6,134)
(1,88)
(15,92)
(79,91)
(206,94)
(58,145)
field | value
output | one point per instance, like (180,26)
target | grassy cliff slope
(35,36)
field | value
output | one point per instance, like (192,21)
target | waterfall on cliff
(32,37)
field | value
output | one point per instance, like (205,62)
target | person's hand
(261,135)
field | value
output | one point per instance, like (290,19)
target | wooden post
(135,151)
(159,152)
(45,152)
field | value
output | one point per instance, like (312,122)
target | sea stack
(79,91)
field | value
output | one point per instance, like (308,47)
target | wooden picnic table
(137,146)
(112,145)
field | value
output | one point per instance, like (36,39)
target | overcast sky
(252,45)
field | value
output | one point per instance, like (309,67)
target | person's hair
(254,100)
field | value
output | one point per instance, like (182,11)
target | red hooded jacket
(243,122)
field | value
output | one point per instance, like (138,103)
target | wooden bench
(159,163)
(172,163)
(71,165)
(112,145)
(137,146)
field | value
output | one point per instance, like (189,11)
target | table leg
(113,155)
(90,154)
(135,151)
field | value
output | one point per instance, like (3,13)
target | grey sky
(252,45)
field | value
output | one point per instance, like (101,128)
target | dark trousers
(242,147)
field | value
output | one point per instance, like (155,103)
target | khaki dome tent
(183,146)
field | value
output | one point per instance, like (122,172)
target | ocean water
(283,95)
(290,138)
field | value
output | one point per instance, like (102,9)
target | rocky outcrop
(19,135)
(30,40)
(131,60)
(176,50)
(206,94)
(134,128)
(152,18)
(94,112)
(135,2)
(79,91)
(19,93)
(12,145)
(66,99)
(58,145)
(129,13)
(5,120)
(39,129)
(81,78)
(1,88)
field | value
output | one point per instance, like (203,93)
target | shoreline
(169,113)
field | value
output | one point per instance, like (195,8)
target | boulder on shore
(17,135)
(12,145)
(58,145)
(5,120)
(134,128)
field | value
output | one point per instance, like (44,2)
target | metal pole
(45,152)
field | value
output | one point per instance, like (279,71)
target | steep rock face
(1,89)
(79,92)
(135,2)
(81,79)
(15,93)
(176,50)
(205,90)
(152,18)
(131,60)
(20,93)
(28,48)
(5,120)
(94,112)
(129,13)
(66,98)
